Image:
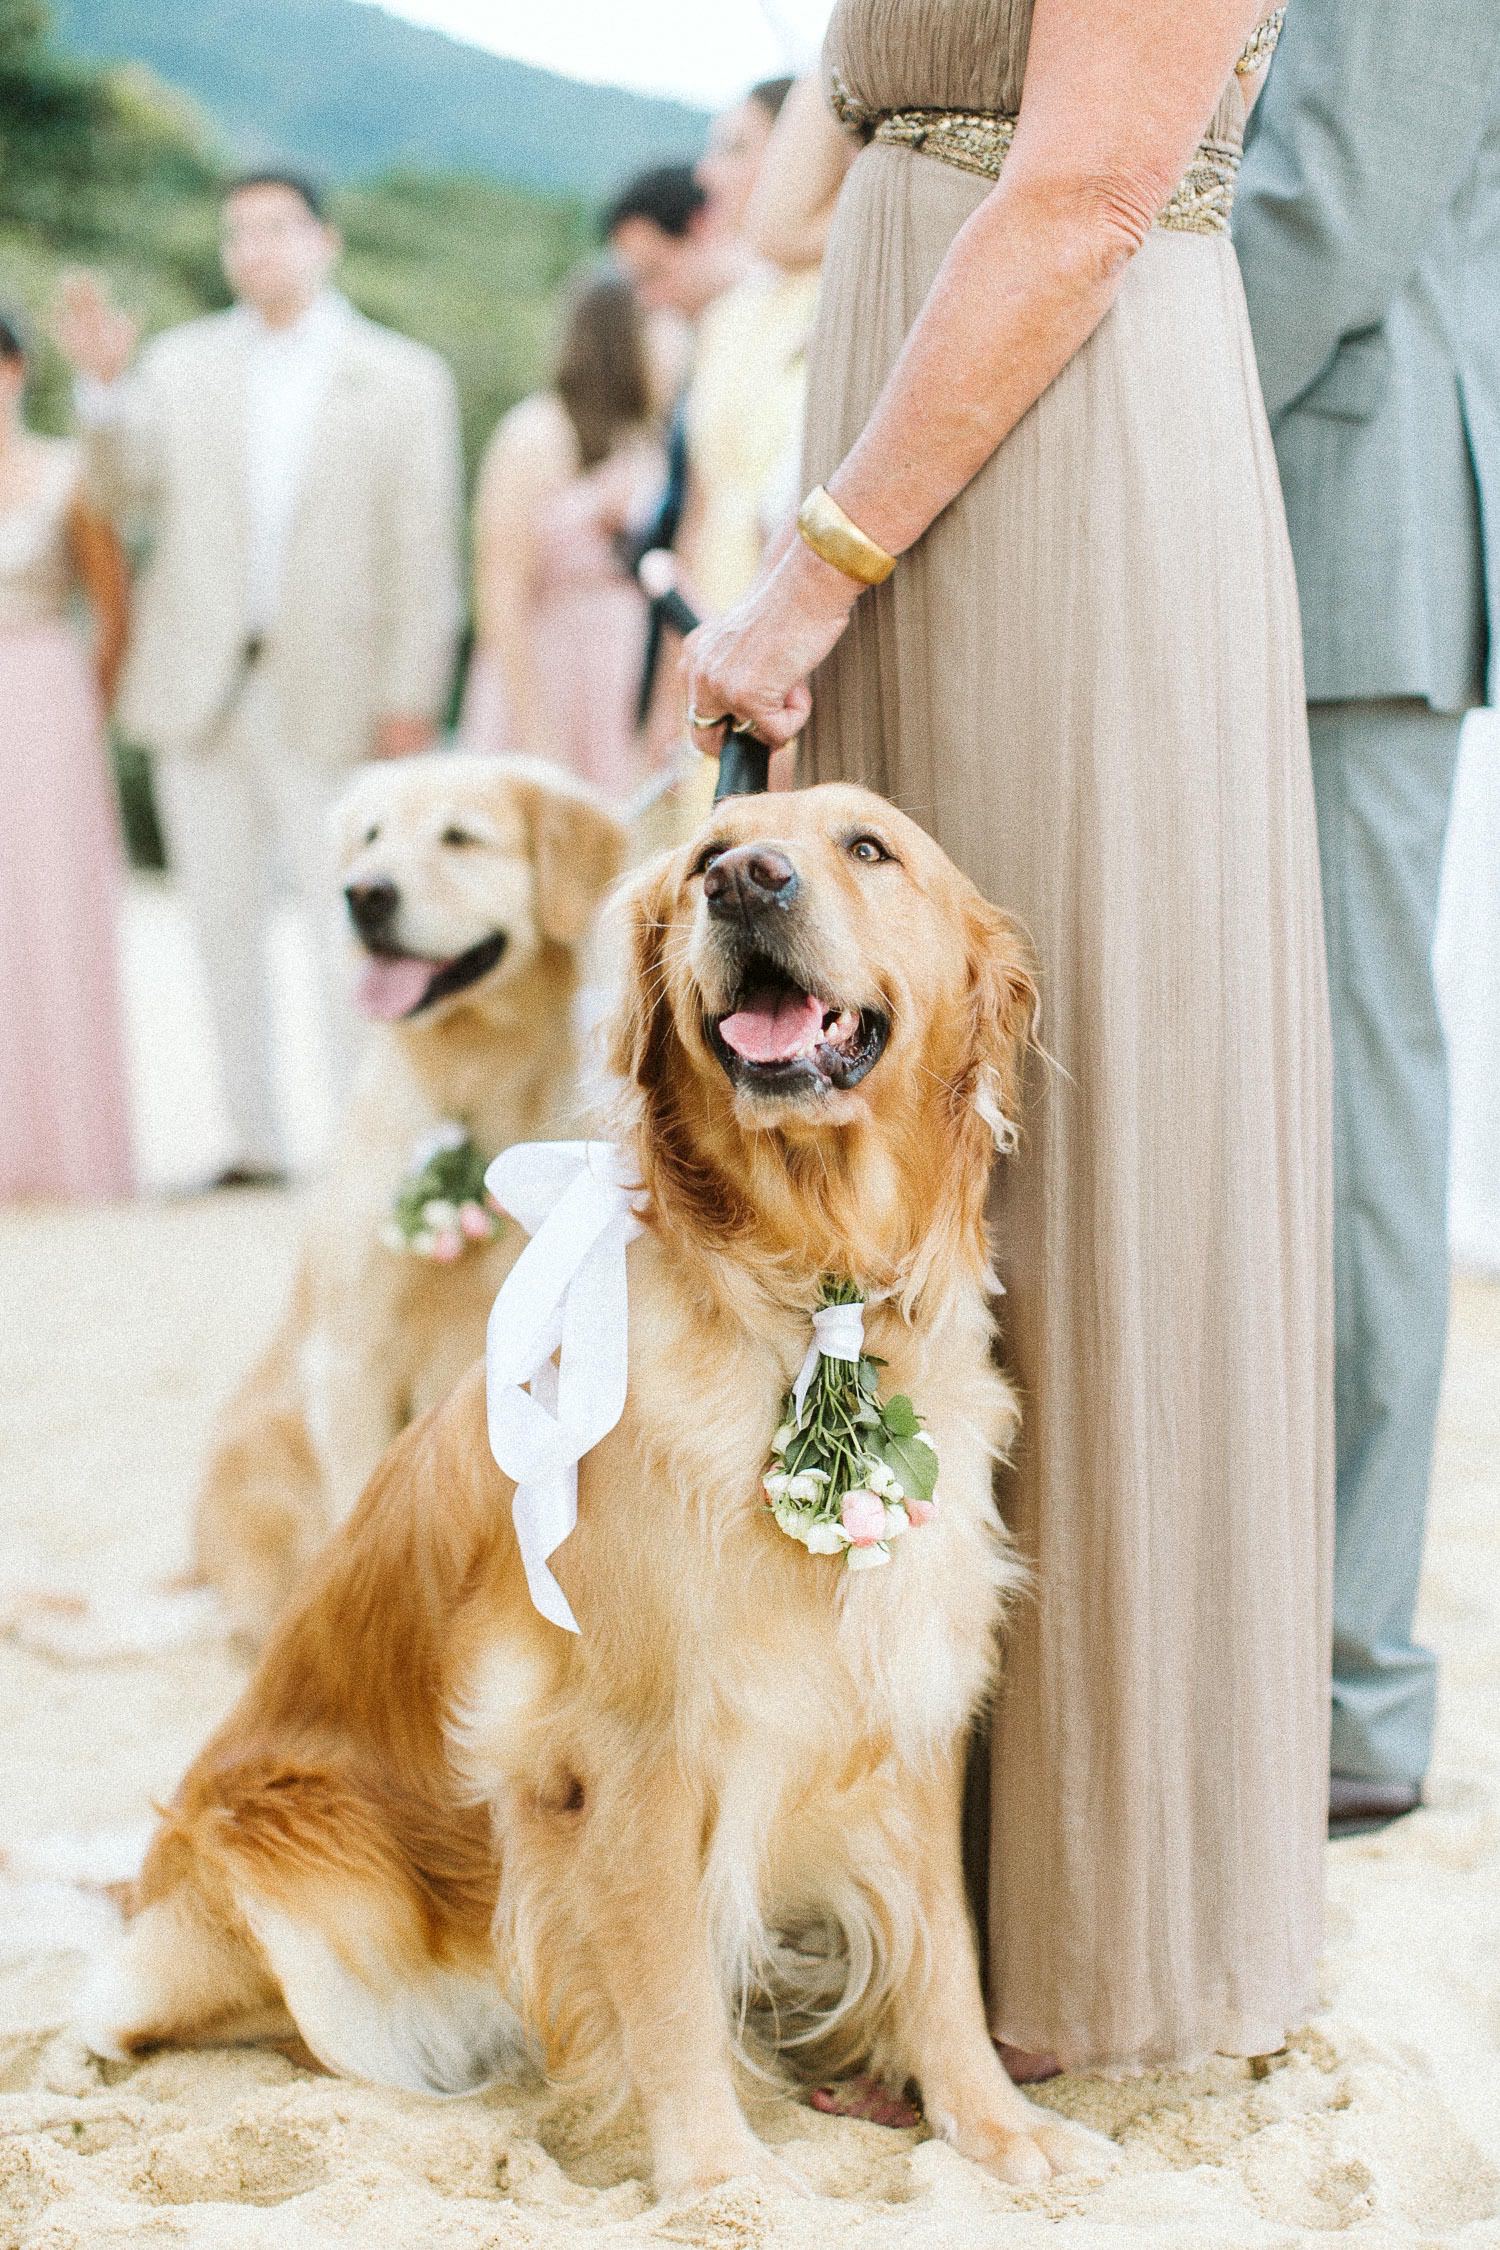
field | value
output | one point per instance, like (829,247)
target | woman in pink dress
(64,1110)
(560,625)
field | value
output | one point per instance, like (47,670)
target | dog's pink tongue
(391,984)
(774,1027)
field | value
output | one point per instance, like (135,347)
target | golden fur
(441,1835)
(371,1337)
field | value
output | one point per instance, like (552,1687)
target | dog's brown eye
(458,836)
(869,849)
(707,856)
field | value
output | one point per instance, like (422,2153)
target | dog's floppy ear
(1003,991)
(641,1027)
(577,848)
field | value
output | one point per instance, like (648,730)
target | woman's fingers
(723,694)
(753,665)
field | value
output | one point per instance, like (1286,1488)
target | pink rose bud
(863,1517)
(447,1245)
(475,1221)
(921,1511)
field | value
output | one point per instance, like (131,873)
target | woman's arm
(104,575)
(797,186)
(1117,96)
(527,460)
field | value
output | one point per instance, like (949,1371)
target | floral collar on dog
(442,1207)
(847,1475)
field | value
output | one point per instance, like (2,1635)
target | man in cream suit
(294,472)
(1368,229)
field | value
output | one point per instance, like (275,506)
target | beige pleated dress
(1085,680)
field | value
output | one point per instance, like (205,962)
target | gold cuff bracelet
(829,533)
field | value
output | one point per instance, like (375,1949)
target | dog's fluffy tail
(283,1900)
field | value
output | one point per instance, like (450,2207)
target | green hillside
(349,89)
(106,166)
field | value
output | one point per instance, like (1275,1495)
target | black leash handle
(744,762)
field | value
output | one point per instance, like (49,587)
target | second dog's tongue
(774,1026)
(392,984)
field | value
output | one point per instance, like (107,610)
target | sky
(704,51)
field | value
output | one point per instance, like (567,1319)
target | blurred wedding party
(749,1123)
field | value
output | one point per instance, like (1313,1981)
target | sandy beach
(1381,2122)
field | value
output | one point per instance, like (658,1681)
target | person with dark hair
(560,626)
(667,196)
(658,228)
(64,1098)
(296,472)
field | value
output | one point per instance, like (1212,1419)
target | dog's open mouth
(782,1039)
(393,986)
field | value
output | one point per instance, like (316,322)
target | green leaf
(915,1464)
(803,1452)
(901,1417)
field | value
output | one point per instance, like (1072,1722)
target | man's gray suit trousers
(1383,774)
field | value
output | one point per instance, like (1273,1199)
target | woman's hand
(753,664)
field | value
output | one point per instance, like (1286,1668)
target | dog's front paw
(688,2174)
(1030,2149)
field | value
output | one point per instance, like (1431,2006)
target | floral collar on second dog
(848,1474)
(442,1207)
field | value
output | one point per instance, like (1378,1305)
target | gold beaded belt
(979,141)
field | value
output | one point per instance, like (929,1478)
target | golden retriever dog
(471,885)
(439,1835)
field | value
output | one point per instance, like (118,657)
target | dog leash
(744,762)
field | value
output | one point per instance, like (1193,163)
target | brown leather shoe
(247,1176)
(1359,1808)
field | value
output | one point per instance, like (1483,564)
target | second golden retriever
(472,885)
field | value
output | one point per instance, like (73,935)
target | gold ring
(696,718)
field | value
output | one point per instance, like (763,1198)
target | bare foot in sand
(866,2098)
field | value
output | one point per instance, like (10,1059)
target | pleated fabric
(1086,682)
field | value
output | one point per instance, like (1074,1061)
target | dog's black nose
(372,907)
(749,877)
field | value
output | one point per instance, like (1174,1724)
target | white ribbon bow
(838,1333)
(565,1295)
